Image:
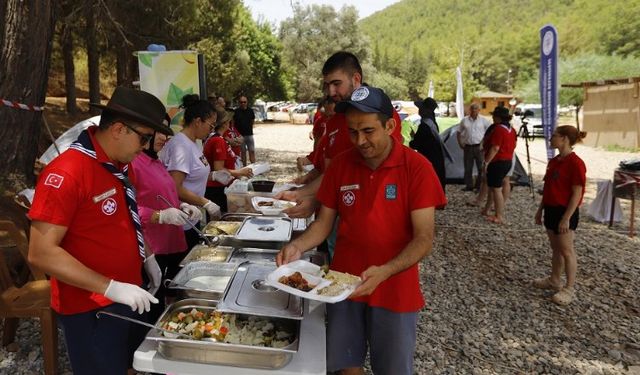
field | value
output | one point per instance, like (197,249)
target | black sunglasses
(144,138)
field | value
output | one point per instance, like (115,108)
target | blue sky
(276,11)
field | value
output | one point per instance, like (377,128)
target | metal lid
(265,228)
(248,294)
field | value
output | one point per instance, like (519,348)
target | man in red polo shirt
(385,195)
(86,233)
(342,74)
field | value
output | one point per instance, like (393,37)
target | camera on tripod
(524,128)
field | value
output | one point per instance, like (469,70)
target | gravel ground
(482,316)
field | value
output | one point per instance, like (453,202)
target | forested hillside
(422,40)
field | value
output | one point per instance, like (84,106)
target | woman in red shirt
(564,184)
(221,157)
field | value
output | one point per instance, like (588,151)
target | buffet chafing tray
(265,228)
(255,255)
(207,280)
(247,293)
(219,254)
(210,351)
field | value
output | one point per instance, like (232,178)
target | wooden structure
(625,186)
(31,300)
(611,112)
(488,100)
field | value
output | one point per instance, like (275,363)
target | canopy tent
(65,139)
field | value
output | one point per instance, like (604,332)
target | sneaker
(564,297)
(545,283)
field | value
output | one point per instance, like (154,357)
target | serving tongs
(206,239)
(169,334)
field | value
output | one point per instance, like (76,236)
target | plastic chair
(27,301)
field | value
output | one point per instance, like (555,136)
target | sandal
(495,220)
(545,283)
(563,297)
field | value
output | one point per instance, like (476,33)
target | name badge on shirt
(204,161)
(391,191)
(104,195)
(350,187)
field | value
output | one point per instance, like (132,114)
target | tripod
(524,133)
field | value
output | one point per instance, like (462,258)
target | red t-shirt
(319,154)
(561,176)
(217,149)
(338,133)
(505,137)
(319,125)
(375,218)
(232,132)
(77,192)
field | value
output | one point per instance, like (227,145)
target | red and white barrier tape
(17,105)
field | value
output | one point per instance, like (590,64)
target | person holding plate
(385,194)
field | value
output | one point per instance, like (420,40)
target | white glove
(172,216)
(131,295)
(213,210)
(152,268)
(194,212)
(222,176)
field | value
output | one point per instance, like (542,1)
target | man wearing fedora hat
(86,233)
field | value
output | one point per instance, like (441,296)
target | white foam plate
(313,274)
(274,210)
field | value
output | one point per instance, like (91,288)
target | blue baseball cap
(367,99)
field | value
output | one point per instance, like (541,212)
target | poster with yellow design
(169,75)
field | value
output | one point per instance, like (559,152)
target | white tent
(65,139)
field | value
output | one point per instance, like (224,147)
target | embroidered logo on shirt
(104,195)
(109,206)
(349,187)
(391,191)
(348,198)
(54,180)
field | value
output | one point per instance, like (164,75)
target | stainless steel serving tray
(198,253)
(255,255)
(265,228)
(213,352)
(207,230)
(207,280)
(247,293)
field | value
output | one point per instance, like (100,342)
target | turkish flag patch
(54,180)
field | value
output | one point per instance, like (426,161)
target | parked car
(531,115)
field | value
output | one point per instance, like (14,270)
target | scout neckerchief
(84,145)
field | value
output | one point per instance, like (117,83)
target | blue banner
(549,82)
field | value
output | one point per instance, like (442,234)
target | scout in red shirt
(499,147)
(564,184)
(221,157)
(385,195)
(86,233)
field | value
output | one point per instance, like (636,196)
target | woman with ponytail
(564,185)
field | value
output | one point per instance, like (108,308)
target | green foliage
(312,35)
(488,38)
(583,68)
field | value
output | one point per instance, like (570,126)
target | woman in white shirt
(185,162)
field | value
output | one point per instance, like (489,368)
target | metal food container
(212,228)
(205,253)
(255,255)
(221,353)
(263,228)
(207,280)
(247,293)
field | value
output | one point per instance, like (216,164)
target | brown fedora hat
(138,106)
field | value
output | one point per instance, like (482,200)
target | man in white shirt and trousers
(470,133)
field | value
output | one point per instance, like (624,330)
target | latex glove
(172,216)
(213,210)
(194,212)
(152,268)
(222,176)
(131,295)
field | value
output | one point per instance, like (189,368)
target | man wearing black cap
(385,194)
(86,233)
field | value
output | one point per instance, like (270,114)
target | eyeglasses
(144,138)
